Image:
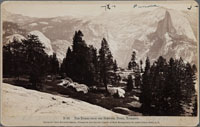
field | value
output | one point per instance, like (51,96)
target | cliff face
(168,42)
(165,26)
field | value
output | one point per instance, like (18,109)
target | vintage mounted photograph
(99,63)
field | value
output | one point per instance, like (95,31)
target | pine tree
(137,77)
(115,67)
(172,92)
(135,67)
(194,68)
(92,71)
(62,66)
(116,76)
(7,61)
(158,87)
(190,80)
(129,83)
(105,63)
(79,63)
(95,64)
(146,90)
(8,58)
(68,62)
(16,46)
(13,59)
(132,64)
(129,65)
(36,60)
(167,88)
(27,58)
(141,69)
(195,106)
(180,79)
(54,64)
(189,85)
(78,41)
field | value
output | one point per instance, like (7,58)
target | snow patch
(44,40)
(45,23)
(13,37)
(33,24)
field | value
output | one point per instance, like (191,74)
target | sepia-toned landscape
(99,59)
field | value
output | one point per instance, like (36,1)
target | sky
(89,8)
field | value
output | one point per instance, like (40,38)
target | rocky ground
(18,102)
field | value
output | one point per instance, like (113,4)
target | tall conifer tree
(105,63)
(146,90)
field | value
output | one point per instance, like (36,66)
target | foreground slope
(22,104)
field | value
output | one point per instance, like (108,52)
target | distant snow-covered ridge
(44,40)
(124,32)
(11,38)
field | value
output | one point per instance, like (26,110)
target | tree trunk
(106,87)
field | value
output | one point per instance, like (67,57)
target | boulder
(81,88)
(116,91)
(73,85)
(121,110)
(136,98)
(135,104)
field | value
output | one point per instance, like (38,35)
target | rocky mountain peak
(165,26)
